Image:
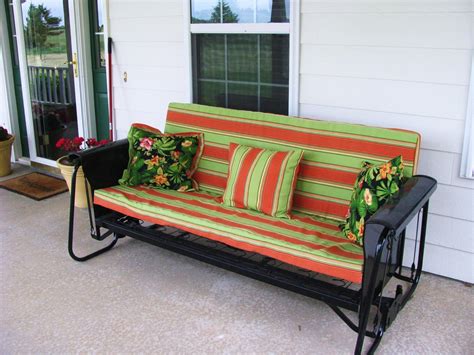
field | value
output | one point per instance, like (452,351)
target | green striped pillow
(261,179)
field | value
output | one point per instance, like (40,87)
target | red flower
(60,142)
(91,142)
(76,144)
(77,140)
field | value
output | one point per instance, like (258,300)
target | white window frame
(292,29)
(8,108)
(467,159)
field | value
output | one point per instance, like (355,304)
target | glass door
(51,68)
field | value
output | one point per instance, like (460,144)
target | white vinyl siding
(148,43)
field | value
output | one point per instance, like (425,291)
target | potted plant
(66,166)
(6,142)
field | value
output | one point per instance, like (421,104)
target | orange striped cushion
(312,243)
(333,151)
(261,179)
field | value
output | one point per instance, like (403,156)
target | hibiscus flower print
(186,144)
(385,170)
(175,154)
(161,160)
(351,236)
(161,179)
(146,143)
(155,160)
(368,197)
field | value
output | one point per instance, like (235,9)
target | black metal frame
(384,241)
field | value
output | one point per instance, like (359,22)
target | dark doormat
(37,186)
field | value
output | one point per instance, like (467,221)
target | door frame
(80,43)
(8,82)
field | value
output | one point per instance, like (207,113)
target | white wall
(148,44)
(393,63)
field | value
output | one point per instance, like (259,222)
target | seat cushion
(312,243)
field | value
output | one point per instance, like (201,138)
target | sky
(56,7)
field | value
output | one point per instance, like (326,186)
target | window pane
(210,56)
(242,11)
(100,17)
(210,93)
(97,20)
(242,60)
(205,11)
(239,11)
(273,11)
(45,34)
(243,97)
(274,58)
(241,71)
(274,99)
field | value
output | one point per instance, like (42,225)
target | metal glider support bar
(71,222)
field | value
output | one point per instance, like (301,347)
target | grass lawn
(54,44)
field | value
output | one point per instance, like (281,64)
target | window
(241,54)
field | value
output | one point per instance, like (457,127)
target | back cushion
(333,152)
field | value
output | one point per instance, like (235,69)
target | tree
(39,25)
(228,16)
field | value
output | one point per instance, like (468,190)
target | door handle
(73,62)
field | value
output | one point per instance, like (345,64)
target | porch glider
(306,253)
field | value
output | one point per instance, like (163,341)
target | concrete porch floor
(138,298)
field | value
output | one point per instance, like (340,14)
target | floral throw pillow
(373,187)
(160,160)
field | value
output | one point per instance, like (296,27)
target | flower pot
(67,170)
(5,156)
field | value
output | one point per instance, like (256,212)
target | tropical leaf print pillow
(165,161)
(373,187)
